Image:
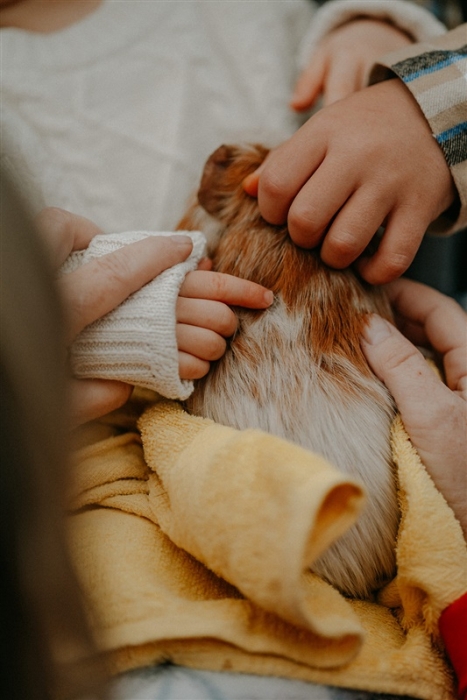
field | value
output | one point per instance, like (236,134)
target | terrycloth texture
(418,23)
(198,551)
(136,342)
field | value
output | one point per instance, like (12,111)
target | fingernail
(180,240)
(269,297)
(250,183)
(376,329)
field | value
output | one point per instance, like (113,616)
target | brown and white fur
(297,369)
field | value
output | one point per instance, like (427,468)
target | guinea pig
(297,369)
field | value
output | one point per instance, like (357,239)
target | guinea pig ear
(211,191)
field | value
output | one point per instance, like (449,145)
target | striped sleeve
(435,72)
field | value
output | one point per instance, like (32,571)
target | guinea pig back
(297,369)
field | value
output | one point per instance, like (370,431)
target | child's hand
(96,288)
(367,160)
(204,318)
(342,61)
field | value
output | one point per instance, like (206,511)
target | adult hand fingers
(401,367)
(434,416)
(437,321)
(93,398)
(214,315)
(424,402)
(310,82)
(191,367)
(287,169)
(102,284)
(64,232)
(201,284)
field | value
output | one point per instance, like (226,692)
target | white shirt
(114,116)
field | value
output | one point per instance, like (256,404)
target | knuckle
(228,322)
(53,224)
(273,197)
(341,249)
(272,184)
(397,357)
(397,263)
(303,222)
(191,367)
(388,268)
(214,346)
(52,215)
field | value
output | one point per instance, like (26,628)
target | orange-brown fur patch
(251,248)
(296,370)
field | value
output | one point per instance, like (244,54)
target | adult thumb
(405,372)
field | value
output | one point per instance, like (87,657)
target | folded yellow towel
(196,546)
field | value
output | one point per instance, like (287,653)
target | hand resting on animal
(297,369)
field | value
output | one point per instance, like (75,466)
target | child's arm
(342,61)
(393,154)
(363,162)
(345,39)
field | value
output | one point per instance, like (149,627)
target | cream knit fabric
(136,342)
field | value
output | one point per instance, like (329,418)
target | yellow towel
(195,547)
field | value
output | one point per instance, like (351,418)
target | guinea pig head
(221,199)
(221,192)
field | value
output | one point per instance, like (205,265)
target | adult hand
(369,159)
(98,287)
(434,413)
(205,319)
(343,59)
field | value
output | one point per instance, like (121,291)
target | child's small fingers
(205,264)
(231,290)
(203,313)
(251,182)
(396,250)
(310,83)
(200,342)
(353,228)
(341,81)
(317,203)
(191,367)
(289,166)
